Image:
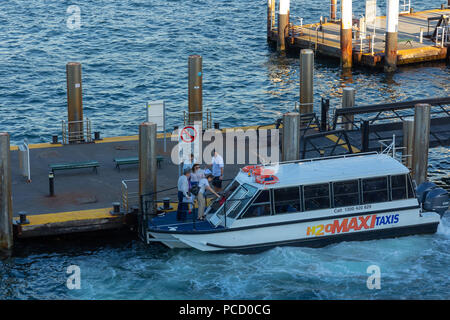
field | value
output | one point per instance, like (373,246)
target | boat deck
(169,222)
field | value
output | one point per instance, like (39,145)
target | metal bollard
(324,114)
(54,139)
(365,134)
(51,183)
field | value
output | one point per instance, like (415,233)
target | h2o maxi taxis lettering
(352,224)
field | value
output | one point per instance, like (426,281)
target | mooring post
(325,106)
(195,75)
(306,81)
(291,136)
(390,56)
(147,162)
(408,142)
(348,101)
(346,34)
(421,142)
(6,215)
(333,10)
(270,18)
(283,22)
(365,136)
(74,102)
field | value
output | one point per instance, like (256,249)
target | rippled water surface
(135,51)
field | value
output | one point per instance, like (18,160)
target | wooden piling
(346,34)
(6,215)
(74,101)
(270,18)
(195,88)
(283,22)
(390,57)
(147,160)
(333,10)
(421,142)
(408,142)
(306,81)
(291,136)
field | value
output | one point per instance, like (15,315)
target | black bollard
(365,131)
(324,114)
(51,183)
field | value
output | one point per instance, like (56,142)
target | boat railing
(351,155)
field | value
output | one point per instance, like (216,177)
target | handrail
(127,195)
(208,114)
(321,158)
(76,131)
(390,106)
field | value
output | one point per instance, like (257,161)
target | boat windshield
(233,204)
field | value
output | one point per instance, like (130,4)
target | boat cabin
(313,188)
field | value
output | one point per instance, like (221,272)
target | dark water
(135,51)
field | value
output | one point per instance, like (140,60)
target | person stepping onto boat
(201,199)
(183,193)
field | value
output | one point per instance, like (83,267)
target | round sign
(188,134)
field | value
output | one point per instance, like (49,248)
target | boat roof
(326,170)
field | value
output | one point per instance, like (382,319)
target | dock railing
(443,36)
(405,7)
(189,118)
(76,131)
(130,194)
(384,113)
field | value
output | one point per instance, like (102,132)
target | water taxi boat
(310,203)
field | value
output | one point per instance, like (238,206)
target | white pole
(392,16)
(284,6)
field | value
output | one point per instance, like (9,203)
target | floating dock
(415,42)
(82,200)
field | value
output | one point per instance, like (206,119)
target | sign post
(189,142)
(156,113)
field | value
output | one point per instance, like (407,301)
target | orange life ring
(266,179)
(250,168)
(263,171)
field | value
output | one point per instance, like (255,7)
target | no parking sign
(189,142)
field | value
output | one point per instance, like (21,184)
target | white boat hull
(366,226)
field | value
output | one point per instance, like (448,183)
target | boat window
(398,187)
(217,203)
(239,200)
(411,193)
(317,196)
(375,190)
(287,200)
(346,193)
(260,207)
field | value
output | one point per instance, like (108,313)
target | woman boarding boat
(310,203)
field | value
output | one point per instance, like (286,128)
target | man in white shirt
(217,166)
(187,164)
